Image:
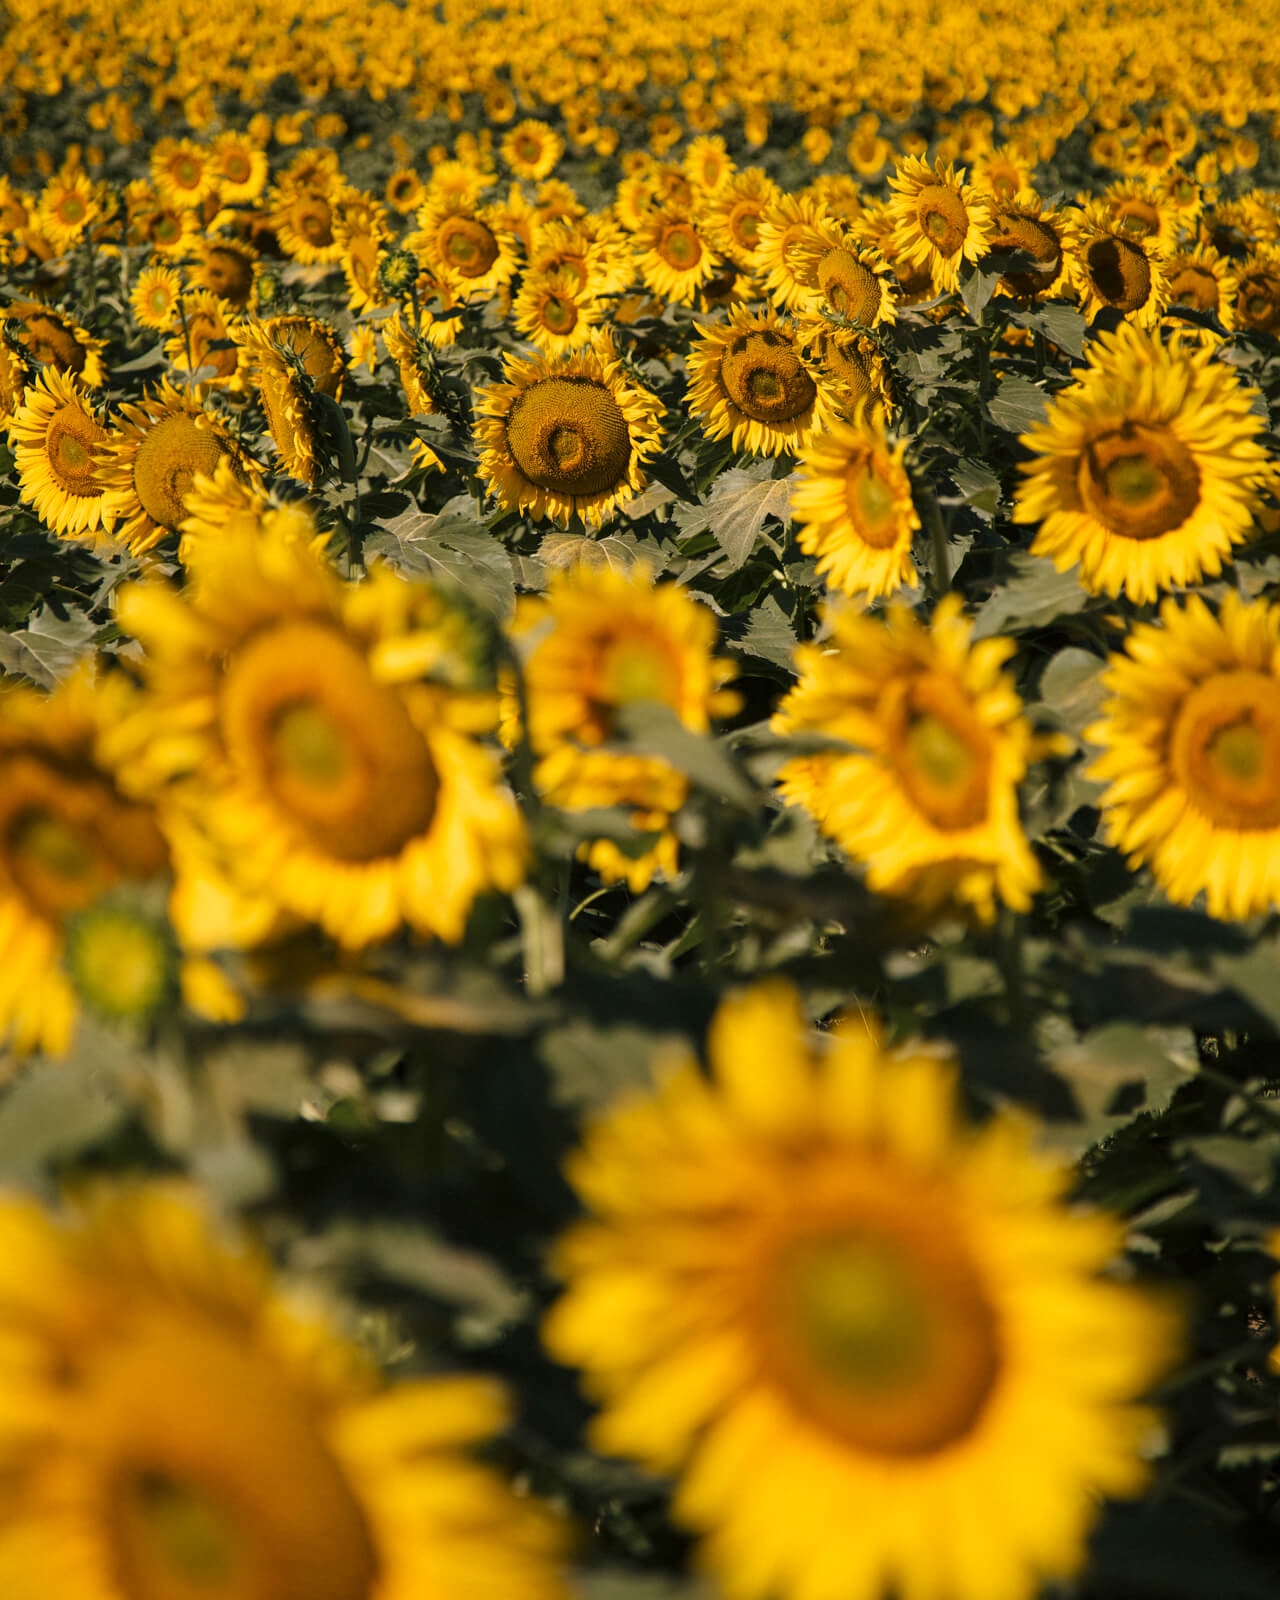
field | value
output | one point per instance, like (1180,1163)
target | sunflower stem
(1010,939)
(938,538)
(542,934)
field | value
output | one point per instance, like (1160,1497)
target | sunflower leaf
(740,502)
(1018,404)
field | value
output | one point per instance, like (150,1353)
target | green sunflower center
(941,213)
(69,444)
(680,247)
(559,314)
(939,750)
(872,506)
(192,1543)
(309,747)
(859,1310)
(120,962)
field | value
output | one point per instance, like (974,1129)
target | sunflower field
(639,800)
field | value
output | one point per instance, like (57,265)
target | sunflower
(1203,280)
(597,640)
(56,437)
(68,206)
(790,239)
(928,800)
(17,371)
(555,312)
(203,342)
(182,173)
(290,359)
(941,221)
(239,166)
(330,776)
(532,149)
(69,833)
(1147,470)
(462,245)
(877,1346)
(853,509)
(1023,225)
(751,382)
(732,216)
(405,190)
(154,297)
(852,362)
(708,165)
(674,256)
(567,436)
(1004,174)
(848,275)
(1112,267)
(1142,212)
(202,1434)
(1191,737)
(914,278)
(302,217)
(227,268)
(54,339)
(149,464)
(1257,297)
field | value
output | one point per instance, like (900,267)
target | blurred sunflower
(239,166)
(154,297)
(1147,471)
(597,640)
(751,382)
(182,173)
(708,165)
(1114,268)
(69,833)
(532,149)
(567,436)
(148,465)
(68,205)
(405,190)
(940,220)
(17,371)
(876,1346)
(928,799)
(1203,280)
(853,508)
(201,1434)
(203,342)
(302,218)
(329,750)
(55,340)
(1190,731)
(227,268)
(56,437)
(1257,297)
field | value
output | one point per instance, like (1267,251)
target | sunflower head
(1115,267)
(56,437)
(941,221)
(751,381)
(53,339)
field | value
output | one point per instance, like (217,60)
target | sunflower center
(186,173)
(55,861)
(169,455)
(119,962)
(569,435)
(849,287)
(636,670)
(1196,287)
(680,247)
(559,314)
(943,219)
(229,274)
(236,167)
(939,750)
(1140,481)
(765,378)
(1138,217)
(330,749)
(313,219)
(744,224)
(50,342)
(881,1331)
(1036,241)
(183,1512)
(69,444)
(468,245)
(1259,302)
(1119,273)
(1225,749)
(872,506)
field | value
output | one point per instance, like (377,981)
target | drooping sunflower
(876,1346)
(1190,732)
(149,463)
(674,256)
(928,798)
(227,268)
(56,437)
(55,340)
(203,1434)
(532,149)
(1113,267)
(751,381)
(1147,470)
(202,342)
(941,221)
(69,833)
(154,297)
(1024,225)
(1203,280)
(852,361)
(555,312)
(1257,297)
(849,276)
(853,508)
(329,749)
(461,243)
(289,358)
(567,436)
(597,640)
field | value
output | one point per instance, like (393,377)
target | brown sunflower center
(1195,286)
(69,444)
(1119,273)
(236,166)
(337,754)
(1139,481)
(939,750)
(872,505)
(679,246)
(1035,240)
(49,341)
(169,455)
(765,378)
(880,1329)
(943,220)
(1225,749)
(186,172)
(559,314)
(846,361)
(229,274)
(314,350)
(569,435)
(468,245)
(311,216)
(744,224)
(1138,217)
(1258,302)
(849,287)
(183,1514)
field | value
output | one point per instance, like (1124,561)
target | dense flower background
(639,802)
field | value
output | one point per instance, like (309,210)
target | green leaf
(591,1063)
(1034,596)
(740,502)
(48,647)
(655,729)
(769,634)
(1018,404)
(1105,1062)
(451,544)
(1071,688)
(53,1110)
(1062,325)
(1256,977)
